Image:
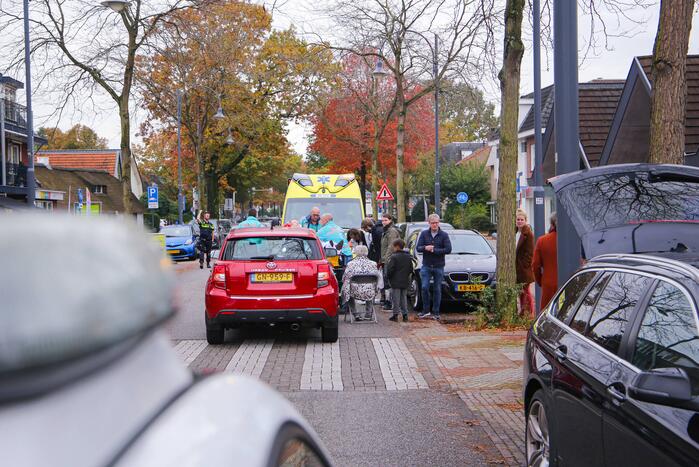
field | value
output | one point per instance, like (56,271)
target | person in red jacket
(545,264)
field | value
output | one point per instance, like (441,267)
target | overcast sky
(608,64)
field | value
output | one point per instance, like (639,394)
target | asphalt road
(363,423)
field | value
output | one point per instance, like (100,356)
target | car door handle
(561,353)
(617,391)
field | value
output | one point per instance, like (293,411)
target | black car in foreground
(469,269)
(611,366)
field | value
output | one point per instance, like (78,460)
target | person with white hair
(360,265)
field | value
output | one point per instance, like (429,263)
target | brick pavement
(485,368)
(360,365)
(285,364)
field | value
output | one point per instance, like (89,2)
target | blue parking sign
(152,196)
(462,198)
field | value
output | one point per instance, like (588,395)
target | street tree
(357,122)
(81,48)
(668,75)
(399,34)
(228,57)
(464,113)
(77,137)
(359,106)
(509,88)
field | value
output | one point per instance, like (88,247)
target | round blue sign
(462,198)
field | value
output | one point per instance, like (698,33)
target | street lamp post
(538,189)
(31,181)
(437,162)
(565,30)
(180,204)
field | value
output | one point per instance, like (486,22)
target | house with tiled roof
(105,191)
(597,103)
(106,160)
(629,133)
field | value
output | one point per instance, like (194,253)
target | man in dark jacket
(375,247)
(398,270)
(434,244)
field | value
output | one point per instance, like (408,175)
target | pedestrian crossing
(315,366)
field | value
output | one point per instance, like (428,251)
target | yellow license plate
(272,277)
(470,287)
(174,252)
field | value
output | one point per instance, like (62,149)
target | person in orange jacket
(545,264)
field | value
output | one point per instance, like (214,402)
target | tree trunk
(509,87)
(375,172)
(400,150)
(125,155)
(667,105)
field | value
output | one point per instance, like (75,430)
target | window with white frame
(522,147)
(99,189)
(14,154)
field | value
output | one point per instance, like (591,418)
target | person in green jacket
(390,235)
(251,221)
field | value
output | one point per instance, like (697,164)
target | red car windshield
(272,248)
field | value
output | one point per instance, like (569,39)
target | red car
(270,276)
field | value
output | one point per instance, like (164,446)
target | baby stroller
(363,291)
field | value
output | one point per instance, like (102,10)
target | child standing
(398,270)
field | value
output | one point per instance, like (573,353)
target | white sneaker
(424,315)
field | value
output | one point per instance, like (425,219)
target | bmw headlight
(188,242)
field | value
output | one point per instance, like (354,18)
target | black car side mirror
(330,252)
(664,386)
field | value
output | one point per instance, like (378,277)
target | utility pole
(437,168)
(31,181)
(180,204)
(565,42)
(362,182)
(538,189)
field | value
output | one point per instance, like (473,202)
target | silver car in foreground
(88,379)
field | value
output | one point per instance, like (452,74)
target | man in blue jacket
(434,244)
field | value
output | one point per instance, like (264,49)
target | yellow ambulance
(338,195)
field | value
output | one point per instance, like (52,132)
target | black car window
(582,316)
(563,305)
(668,335)
(614,307)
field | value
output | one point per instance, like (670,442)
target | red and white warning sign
(384,194)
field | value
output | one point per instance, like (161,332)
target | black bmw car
(611,367)
(469,269)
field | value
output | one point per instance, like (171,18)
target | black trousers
(204,248)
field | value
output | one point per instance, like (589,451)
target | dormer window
(99,189)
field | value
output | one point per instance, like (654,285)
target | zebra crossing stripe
(322,367)
(251,356)
(398,367)
(188,350)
